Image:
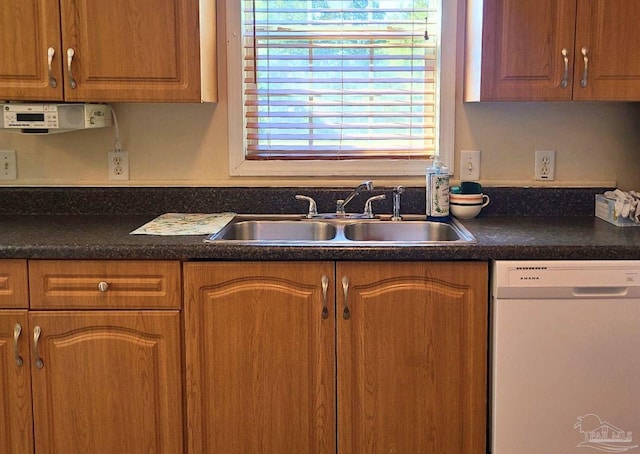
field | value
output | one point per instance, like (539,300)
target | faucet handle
(368,210)
(313,209)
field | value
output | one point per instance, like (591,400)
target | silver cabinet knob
(103,286)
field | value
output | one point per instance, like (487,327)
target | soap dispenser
(437,191)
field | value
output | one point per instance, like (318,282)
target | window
(339,87)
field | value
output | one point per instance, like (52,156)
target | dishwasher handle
(600,291)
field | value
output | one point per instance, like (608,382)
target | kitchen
(183,148)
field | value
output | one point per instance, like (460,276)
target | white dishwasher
(565,354)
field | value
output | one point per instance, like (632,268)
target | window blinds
(340,79)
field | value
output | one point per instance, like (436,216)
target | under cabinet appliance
(565,357)
(38,118)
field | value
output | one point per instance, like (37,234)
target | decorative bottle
(437,191)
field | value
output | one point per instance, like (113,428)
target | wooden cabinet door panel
(110,383)
(609,30)
(260,357)
(412,358)
(28,28)
(14,293)
(522,49)
(132,50)
(16,426)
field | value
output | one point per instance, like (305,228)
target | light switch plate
(469,165)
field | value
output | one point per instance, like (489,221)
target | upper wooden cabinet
(123,50)
(552,50)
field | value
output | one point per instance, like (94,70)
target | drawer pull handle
(103,286)
(17,329)
(346,314)
(70,54)
(52,80)
(564,83)
(585,74)
(325,290)
(36,337)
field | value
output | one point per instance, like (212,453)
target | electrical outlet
(545,166)
(469,165)
(118,165)
(8,168)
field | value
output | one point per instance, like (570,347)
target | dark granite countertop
(498,237)
(94,223)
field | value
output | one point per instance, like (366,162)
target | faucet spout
(364,186)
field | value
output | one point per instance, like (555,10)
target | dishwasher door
(565,357)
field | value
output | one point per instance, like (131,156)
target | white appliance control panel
(56,117)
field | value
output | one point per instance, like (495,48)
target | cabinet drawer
(13,284)
(99,284)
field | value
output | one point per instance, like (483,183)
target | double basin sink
(340,231)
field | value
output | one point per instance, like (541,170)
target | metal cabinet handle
(52,80)
(103,286)
(70,54)
(585,74)
(325,290)
(564,83)
(346,314)
(17,329)
(36,336)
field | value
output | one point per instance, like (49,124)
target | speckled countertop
(94,223)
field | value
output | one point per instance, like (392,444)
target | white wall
(186,145)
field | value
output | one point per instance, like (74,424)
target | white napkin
(626,203)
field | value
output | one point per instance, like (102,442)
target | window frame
(240,166)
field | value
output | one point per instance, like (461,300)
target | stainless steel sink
(418,231)
(270,230)
(292,230)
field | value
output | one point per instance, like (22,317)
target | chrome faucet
(396,203)
(341,204)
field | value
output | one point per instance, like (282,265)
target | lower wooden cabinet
(281,357)
(16,417)
(92,381)
(107,382)
(260,357)
(318,357)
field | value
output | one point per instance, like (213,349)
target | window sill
(369,168)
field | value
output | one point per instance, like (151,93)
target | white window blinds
(340,79)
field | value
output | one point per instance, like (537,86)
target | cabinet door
(260,357)
(110,382)
(412,357)
(16,427)
(28,28)
(132,50)
(608,31)
(522,47)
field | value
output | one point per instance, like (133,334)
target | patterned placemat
(185,224)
